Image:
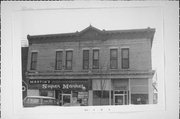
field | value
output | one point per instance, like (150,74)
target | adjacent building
(92,67)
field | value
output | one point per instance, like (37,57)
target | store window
(47,93)
(69,58)
(139,99)
(100,97)
(113,58)
(139,91)
(96,59)
(59,57)
(33,60)
(85,59)
(125,58)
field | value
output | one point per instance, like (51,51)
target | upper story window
(85,59)
(69,58)
(125,58)
(96,59)
(113,58)
(59,60)
(33,60)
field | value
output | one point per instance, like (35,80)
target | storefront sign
(59,84)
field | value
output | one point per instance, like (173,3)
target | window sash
(113,59)
(113,64)
(95,59)
(69,56)
(85,59)
(125,58)
(33,60)
(59,56)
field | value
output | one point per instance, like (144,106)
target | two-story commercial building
(92,67)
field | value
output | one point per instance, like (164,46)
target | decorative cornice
(100,35)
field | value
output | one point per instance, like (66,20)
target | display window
(100,97)
(48,93)
(139,99)
(72,98)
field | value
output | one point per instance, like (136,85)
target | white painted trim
(34,51)
(85,48)
(125,47)
(113,48)
(69,49)
(59,49)
(96,48)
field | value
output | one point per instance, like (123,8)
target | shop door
(119,99)
(66,99)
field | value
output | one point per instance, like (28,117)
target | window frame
(57,61)
(71,60)
(122,59)
(85,59)
(113,58)
(33,63)
(94,60)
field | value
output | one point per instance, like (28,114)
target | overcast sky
(38,22)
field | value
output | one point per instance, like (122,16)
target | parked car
(32,101)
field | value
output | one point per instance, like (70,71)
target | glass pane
(86,55)
(113,64)
(125,53)
(100,97)
(59,55)
(34,56)
(86,64)
(125,63)
(95,64)
(113,53)
(68,55)
(139,99)
(69,65)
(96,54)
(33,60)
(43,93)
(66,99)
(119,100)
(59,65)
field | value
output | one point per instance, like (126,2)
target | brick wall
(139,49)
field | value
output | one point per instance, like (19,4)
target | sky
(53,21)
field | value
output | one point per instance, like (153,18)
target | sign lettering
(59,84)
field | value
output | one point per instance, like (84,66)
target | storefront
(67,92)
(120,91)
(86,92)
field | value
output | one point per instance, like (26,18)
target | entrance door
(66,99)
(119,99)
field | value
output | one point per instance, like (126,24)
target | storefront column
(110,92)
(129,91)
(150,91)
(90,100)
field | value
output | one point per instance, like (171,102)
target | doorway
(66,99)
(119,99)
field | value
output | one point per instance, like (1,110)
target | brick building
(92,67)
